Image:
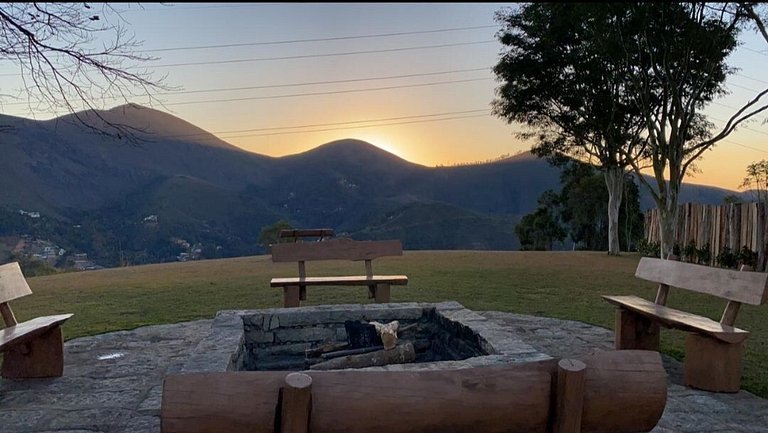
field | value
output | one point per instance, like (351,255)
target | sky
(412,78)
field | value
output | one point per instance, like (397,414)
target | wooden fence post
(570,395)
(296,404)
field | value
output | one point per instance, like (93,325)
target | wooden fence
(733,226)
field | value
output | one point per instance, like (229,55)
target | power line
(219,6)
(308,56)
(318,125)
(352,80)
(755,51)
(745,146)
(751,78)
(274,86)
(335,92)
(299,41)
(356,127)
(742,126)
(304,56)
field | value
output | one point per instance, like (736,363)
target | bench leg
(712,365)
(302,293)
(40,357)
(635,332)
(382,293)
(291,296)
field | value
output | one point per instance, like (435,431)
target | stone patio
(112,382)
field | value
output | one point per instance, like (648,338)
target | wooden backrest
(297,234)
(739,286)
(13,285)
(335,249)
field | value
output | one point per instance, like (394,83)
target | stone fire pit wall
(275,339)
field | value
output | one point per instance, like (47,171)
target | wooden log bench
(714,350)
(615,391)
(34,348)
(295,288)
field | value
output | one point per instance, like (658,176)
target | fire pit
(467,368)
(443,335)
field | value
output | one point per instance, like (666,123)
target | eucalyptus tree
(562,78)
(676,64)
(667,63)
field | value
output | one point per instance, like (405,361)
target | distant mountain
(180,182)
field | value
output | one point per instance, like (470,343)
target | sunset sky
(413,79)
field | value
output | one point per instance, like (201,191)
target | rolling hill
(95,193)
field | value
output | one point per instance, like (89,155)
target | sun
(383,142)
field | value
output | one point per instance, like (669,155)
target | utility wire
(320,125)
(745,146)
(751,78)
(274,86)
(301,41)
(356,127)
(335,92)
(308,56)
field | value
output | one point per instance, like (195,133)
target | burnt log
(401,354)
(339,353)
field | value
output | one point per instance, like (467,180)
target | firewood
(388,333)
(338,353)
(324,348)
(401,354)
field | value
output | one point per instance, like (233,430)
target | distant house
(29,214)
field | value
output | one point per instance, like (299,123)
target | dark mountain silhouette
(202,189)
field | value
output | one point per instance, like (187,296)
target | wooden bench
(295,288)
(34,348)
(714,350)
(303,234)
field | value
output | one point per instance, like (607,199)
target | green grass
(564,285)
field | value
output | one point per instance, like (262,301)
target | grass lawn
(563,285)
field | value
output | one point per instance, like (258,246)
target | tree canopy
(629,79)
(562,78)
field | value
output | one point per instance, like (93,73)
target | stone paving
(112,382)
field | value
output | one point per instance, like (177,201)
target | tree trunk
(614,181)
(668,222)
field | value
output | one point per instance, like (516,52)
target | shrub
(747,257)
(690,252)
(727,258)
(648,249)
(703,255)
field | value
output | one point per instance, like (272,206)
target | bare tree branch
(70,58)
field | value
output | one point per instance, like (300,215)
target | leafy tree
(271,234)
(540,229)
(756,180)
(70,56)
(731,199)
(675,64)
(669,62)
(583,201)
(562,78)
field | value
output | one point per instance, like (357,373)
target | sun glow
(383,142)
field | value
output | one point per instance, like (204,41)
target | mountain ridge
(205,190)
